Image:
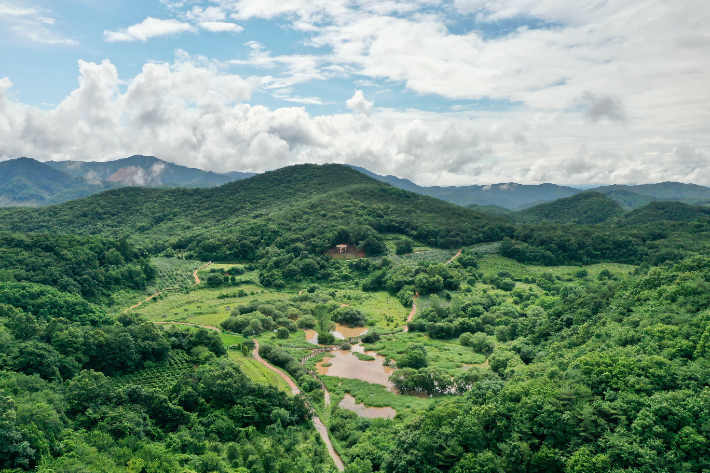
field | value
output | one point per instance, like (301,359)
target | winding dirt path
(197,278)
(208,327)
(411,314)
(320,427)
(255,353)
(141,302)
(455,256)
(197,281)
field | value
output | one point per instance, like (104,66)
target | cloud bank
(580,91)
(194,113)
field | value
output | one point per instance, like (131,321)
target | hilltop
(586,208)
(30,183)
(27,182)
(317,205)
(148,171)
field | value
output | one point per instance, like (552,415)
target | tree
(214,280)
(415,357)
(404,246)
(282,332)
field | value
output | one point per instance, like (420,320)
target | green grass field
(495,263)
(258,372)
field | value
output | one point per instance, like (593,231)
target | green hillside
(669,211)
(587,208)
(577,344)
(317,206)
(27,182)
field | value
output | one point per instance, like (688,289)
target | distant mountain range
(147,171)
(27,182)
(497,198)
(31,183)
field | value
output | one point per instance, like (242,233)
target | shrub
(326,338)
(371,337)
(282,332)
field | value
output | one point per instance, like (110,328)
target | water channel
(350,403)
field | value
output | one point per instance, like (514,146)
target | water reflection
(346,365)
(350,403)
(312,337)
(341,332)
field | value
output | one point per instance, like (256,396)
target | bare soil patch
(351,251)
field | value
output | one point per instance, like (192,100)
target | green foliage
(89,266)
(586,208)
(415,357)
(314,207)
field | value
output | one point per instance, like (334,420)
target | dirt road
(208,327)
(141,302)
(455,256)
(320,427)
(411,314)
(197,278)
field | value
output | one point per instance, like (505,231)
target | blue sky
(441,92)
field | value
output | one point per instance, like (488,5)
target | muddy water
(346,365)
(350,403)
(341,332)
(312,337)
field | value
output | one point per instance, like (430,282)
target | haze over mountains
(27,182)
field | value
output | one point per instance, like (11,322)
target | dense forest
(575,338)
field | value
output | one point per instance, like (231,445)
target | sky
(576,92)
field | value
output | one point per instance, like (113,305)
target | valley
(219,329)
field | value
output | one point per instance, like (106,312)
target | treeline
(652,244)
(315,206)
(89,266)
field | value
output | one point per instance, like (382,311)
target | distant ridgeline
(28,182)
(299,208)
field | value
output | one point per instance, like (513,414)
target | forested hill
(318,206)
(27,182)
(669,211)
(585,208)
(146,171)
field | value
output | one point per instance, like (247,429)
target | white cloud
(7,9)
(220,27)
(32,24)
(148,28)
(358,104)
(206,14)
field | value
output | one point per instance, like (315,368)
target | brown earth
(351,252)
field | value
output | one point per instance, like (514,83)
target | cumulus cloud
(358,104)
(220,27)
(194,112)
(148,28)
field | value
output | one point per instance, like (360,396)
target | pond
(341,332)
(346,365)
(350,403)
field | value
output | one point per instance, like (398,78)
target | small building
(341,248)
